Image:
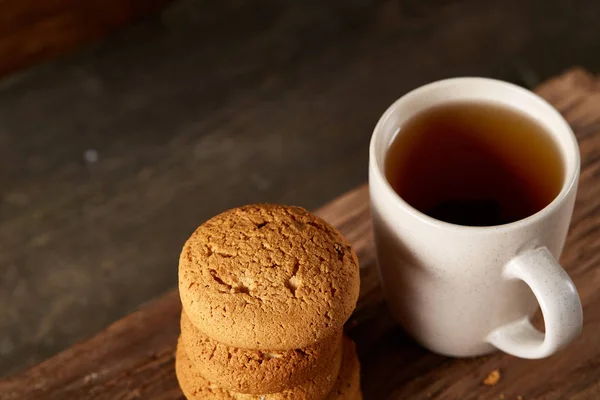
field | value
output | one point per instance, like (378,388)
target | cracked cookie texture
(196,387)
(256,371)
(268,277)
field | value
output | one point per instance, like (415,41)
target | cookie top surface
(268,277)
(256,371)
(195,387)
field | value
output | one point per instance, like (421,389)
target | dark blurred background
(125,124)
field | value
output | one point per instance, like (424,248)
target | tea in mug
(475,164)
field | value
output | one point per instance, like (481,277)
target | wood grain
(133,358)
(32,31)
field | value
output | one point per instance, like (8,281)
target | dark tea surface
(476,164)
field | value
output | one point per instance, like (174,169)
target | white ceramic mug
(466,291)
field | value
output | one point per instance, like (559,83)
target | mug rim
(571,174)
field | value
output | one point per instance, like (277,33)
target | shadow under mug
(465,291)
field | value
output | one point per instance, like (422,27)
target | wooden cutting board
(133,358)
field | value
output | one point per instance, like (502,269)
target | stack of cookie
(266,290)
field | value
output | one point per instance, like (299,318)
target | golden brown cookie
(195,387)
(347,385)
(268,277)
(255,371)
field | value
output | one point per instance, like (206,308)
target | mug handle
(558,299)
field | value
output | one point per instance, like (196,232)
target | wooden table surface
(133,358)
(206,105)
(32,31)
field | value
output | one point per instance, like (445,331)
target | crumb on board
(519,397)
(90,378)
(492,378)
(501,397)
